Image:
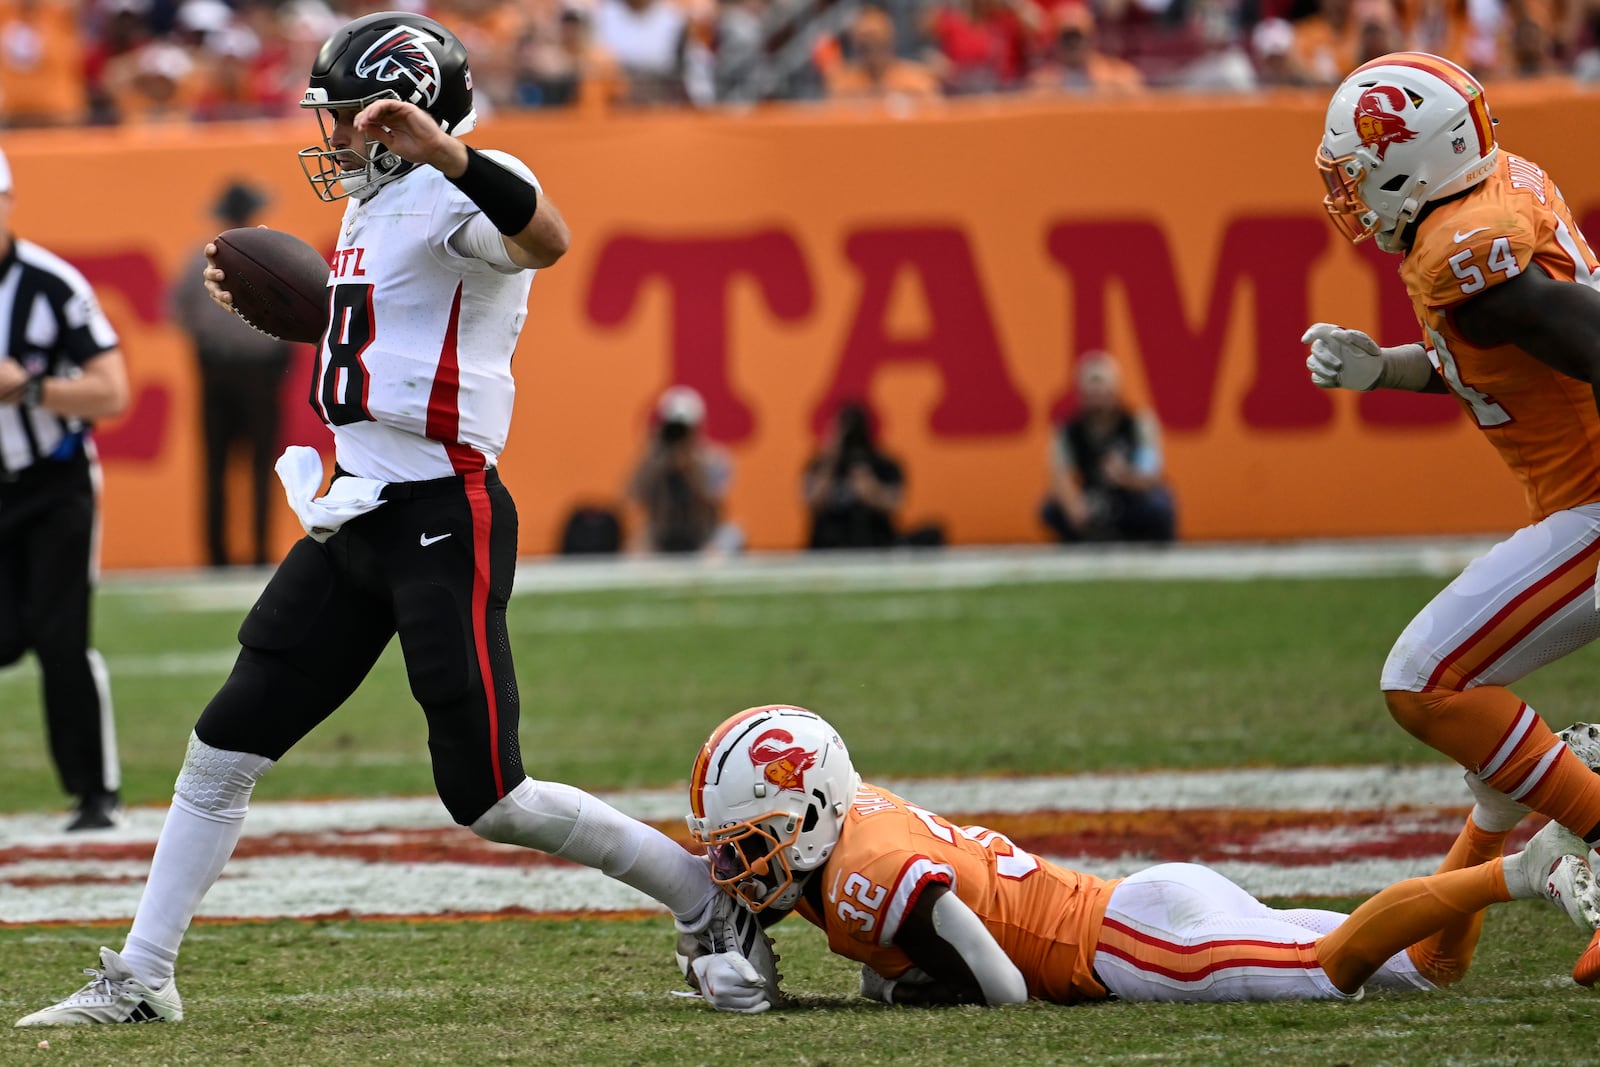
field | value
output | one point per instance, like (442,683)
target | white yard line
(47,875)
(896,569)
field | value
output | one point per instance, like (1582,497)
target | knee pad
(218,781)
(538,815)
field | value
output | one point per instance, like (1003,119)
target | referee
(59,368)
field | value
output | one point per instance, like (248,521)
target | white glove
(875,986)
(1342,359)
(730,983)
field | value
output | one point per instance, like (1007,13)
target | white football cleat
(1552,867)
(114,996)
(728,926)
(1584,740)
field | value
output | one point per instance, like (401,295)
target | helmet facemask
(749,860)
(373,169)
(770,791)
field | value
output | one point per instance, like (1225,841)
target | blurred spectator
(1586,64)
(241,375)
(156,82)
(982,45)
(1325,42)
(1377,31)
(1223,65)
(680,483)
(1531,52)
(41,62)
(851,488)
(1106,476)
(1438,26)
(559,65)
(647,38)
(122,30)
(1076,66)
(1272,41)
(733,46)
(1483,47)
(490,30)
(873,71)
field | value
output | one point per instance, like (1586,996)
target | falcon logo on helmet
(403,53)
(783,767)
(1378,118)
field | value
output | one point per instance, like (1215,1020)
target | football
(279,283)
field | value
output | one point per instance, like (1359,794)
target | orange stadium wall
(948,266)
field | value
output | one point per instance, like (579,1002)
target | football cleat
(1551,866)
(113,995)
(728,926)
(1584,740)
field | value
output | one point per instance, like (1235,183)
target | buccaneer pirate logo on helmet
(403,53)
(784,767)
(1378,121)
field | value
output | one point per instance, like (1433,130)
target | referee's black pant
(49,526)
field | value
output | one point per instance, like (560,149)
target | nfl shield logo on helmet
(403,53)
(1458,145)
(1378,118)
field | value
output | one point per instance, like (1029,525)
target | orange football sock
(1493,734)
(1444,957)
(1404,914)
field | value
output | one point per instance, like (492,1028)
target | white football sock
(576,826)
(200,832)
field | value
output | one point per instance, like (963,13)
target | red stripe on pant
(482,524)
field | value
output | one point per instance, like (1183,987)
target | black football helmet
(389,54)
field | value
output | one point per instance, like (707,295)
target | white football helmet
(769,793)
(1403,130)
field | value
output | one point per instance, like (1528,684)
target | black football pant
(48,531)
(433,564)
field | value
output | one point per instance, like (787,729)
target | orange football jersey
(1045,917)
(1543,423)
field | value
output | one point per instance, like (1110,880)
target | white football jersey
(414,373)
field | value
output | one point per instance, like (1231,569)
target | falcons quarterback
(938,913)
(416,535)
(1503,286)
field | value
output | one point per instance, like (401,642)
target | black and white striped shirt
(50,322)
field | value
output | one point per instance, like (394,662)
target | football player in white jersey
(416,535)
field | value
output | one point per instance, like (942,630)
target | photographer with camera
(680,483)
(851,488)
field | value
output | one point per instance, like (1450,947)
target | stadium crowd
(69,62)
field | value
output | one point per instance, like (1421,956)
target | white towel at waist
(300,471)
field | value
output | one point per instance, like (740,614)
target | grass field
(620,687)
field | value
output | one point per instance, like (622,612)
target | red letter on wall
(1273,255)
(698,272)
(141,432)
(978,397)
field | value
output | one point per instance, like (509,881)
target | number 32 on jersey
(861,901)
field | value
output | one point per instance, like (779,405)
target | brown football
(279,283)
